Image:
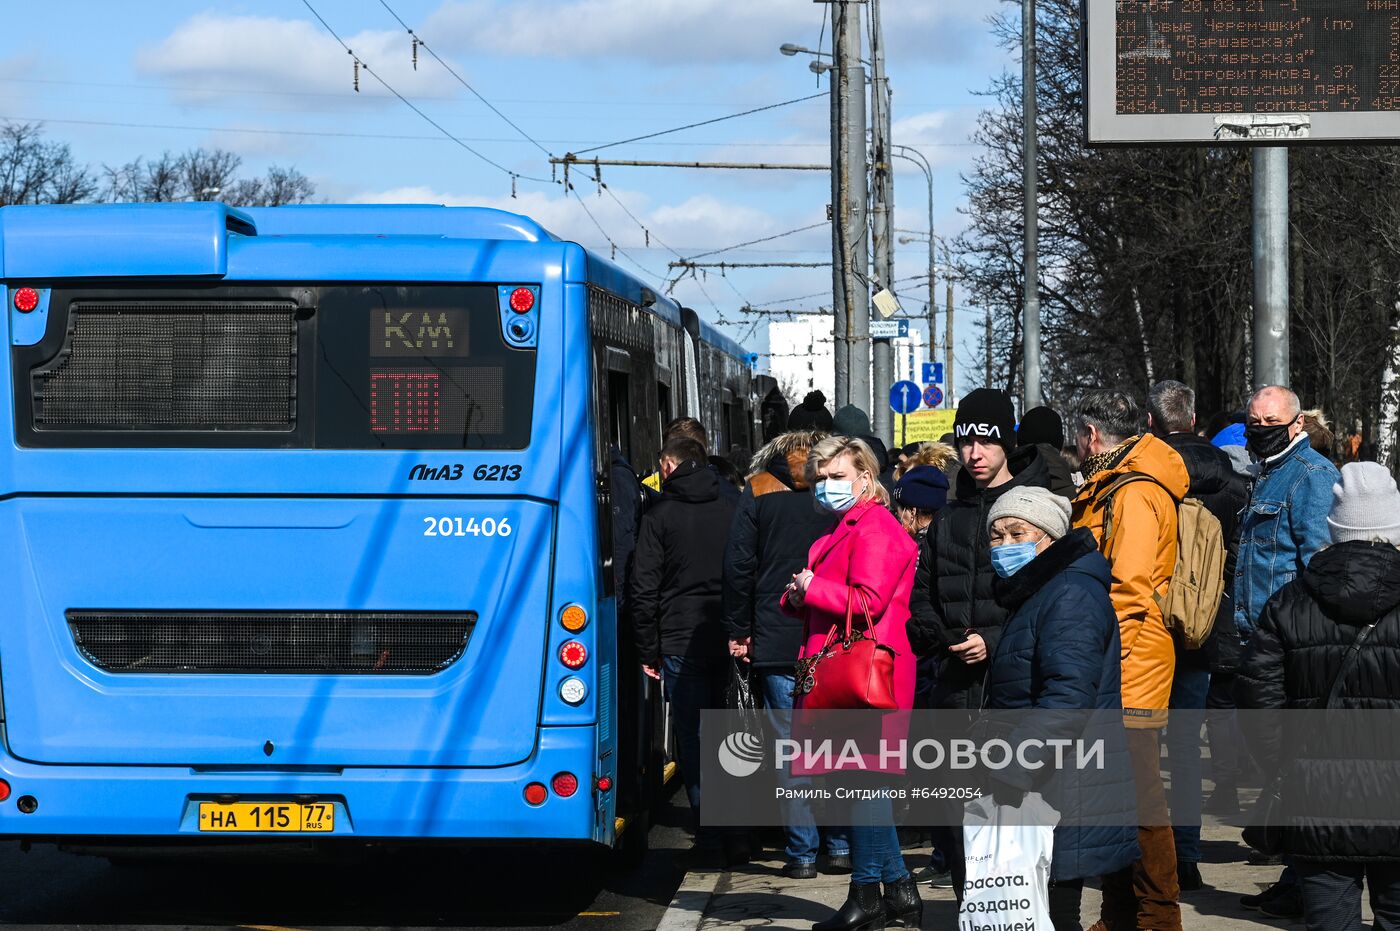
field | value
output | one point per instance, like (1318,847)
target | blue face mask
(1010,558)
(835,495)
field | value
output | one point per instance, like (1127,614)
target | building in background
(909,356)
(801,357)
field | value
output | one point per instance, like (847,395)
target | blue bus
(307,514)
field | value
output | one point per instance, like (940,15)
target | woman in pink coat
(867,553)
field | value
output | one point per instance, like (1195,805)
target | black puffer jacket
(676,600)
(774,527)
(953,586)
(1216,484)
(1346,765)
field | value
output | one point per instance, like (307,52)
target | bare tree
(203,174)
(1146,266)
(280,186)
(35,171)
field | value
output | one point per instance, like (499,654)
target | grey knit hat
(1039,506)
(1365,505)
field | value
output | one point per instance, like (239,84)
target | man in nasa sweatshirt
(956,621)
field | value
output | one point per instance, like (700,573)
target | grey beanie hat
(1039,506)
(1365,505)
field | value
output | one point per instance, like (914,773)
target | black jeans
(1064,905)
(693,684)
(1223,730)
(1332,894)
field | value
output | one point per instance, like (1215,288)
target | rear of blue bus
(300,528)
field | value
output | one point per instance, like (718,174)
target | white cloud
(686,32)
(213,52)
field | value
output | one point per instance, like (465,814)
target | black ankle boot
(903,907)
(862,911)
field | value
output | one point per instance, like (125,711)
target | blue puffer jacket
(1060,650)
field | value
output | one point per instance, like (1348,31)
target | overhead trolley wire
(420,43)
(414,107)
(718,119)
(753,242)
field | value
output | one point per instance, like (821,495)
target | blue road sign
(933,396)
(933,373)
(905,397)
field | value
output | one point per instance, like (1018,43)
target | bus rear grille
(291,642)
(226,365)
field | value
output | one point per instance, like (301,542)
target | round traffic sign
(905,397)
(933,396)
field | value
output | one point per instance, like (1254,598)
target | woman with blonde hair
(941,456)
(864,564)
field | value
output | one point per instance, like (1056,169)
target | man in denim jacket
(1285,522)
(1282,528)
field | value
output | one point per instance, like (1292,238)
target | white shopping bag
(1007,851)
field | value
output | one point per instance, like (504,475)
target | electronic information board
(1232,71)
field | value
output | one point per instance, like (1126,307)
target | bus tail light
(26,299)
(573,654)
(522,300)
(565,784)
(604,783)
(4,790)
(574,618)
(536,793)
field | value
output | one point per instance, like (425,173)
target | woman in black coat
(1059,650)
(1331,639)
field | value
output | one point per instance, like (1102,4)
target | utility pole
(882,227)
(987,330)
(1030,324)
(948,334)
(1270,165)
(849,194)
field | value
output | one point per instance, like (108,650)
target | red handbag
(856,671)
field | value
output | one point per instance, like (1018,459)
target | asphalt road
(512,888)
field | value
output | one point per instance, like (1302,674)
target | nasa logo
(990,430)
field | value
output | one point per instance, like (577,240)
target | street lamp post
(914,155)
(849,196)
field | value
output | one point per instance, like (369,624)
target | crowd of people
(1145,563)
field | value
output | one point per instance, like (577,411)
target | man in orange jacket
(1135,523)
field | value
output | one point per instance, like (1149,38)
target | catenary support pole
(840,347)
(1271,265)
(948,384)
(1030,324)
(882,227)
(852,195)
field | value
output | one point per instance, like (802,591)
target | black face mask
(1265,441)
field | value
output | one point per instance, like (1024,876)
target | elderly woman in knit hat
(1060,650)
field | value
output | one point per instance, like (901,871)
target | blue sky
(265,80)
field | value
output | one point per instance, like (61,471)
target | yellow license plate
(267,817)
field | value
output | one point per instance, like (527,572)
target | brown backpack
(1198,579)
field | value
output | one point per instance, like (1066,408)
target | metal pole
(948,335)
(882,228)
(1271,265)
(840,93)
(987,329)
(908,154)
(856,233)
(1030,325)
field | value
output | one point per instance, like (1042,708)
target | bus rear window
(421,367)
(337,367)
